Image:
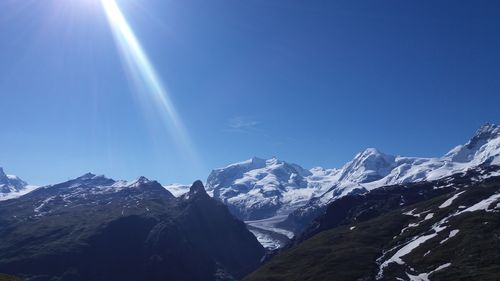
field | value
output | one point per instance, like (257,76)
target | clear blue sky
(311,82)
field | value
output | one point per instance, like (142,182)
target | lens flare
(145,76)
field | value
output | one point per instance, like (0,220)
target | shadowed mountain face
(94,228)
(441,230)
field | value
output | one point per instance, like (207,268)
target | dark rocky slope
(447,230)
(94,228)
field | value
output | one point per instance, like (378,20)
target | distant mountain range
(259,189)
(393,217)
(288,197)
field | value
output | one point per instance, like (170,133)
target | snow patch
(482,205)
(425,276)
(407,248)
(450,200)
(429,216)
(451,235)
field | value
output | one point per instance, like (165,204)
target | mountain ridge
(267,189)
(482,149)
(96,228)
(258,188)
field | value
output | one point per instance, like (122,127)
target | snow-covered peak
(488,131)
(141,181)
(483,147)
(12,186)
(256,187)
(273,161)
(367,166)
(256,171)
(13,183)
(252,163)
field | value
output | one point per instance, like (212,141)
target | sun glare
(145,77)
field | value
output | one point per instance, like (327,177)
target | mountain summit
(197,188)
(12,186)
(10,183)
(258,188)
(367,166)
(483,147)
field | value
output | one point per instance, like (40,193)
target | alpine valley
(378,217)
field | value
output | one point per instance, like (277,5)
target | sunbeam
(146,78)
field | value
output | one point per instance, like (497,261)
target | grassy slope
(4,277)
(338,254)
(344,254)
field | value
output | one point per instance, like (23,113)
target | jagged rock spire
(197,188)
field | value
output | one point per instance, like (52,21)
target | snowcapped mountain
(484,147)
(259,188)
(10,183)
(12,186)
(91,190)
(372,169)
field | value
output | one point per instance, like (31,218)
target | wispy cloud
(242,124)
